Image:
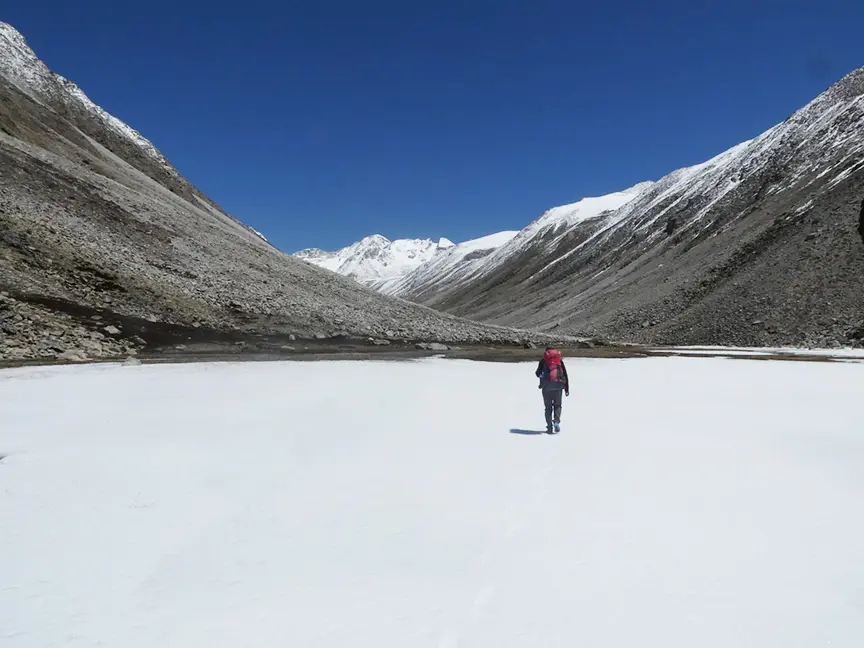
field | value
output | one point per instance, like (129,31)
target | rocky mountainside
(754,247)
(105,249)
(376,260)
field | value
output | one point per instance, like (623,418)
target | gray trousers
(552,400)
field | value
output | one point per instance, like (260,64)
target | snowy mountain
(455,263)
(408,266)
(545,233)
(755,246)
(105,249)
(420,269)
(376,259)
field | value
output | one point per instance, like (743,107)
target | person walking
(553,382)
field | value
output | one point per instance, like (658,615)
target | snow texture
(20,65)
(687,502)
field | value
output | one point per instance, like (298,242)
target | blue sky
(321,122)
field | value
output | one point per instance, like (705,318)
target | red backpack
(552,360)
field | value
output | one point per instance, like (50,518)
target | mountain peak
(374,239)
(8,32)
(20,65)
(376,258)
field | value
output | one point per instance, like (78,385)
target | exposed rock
(861,223)
(671,226)
(111,330)
(72,355)
(132,362)
(432,346)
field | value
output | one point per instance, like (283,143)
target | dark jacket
(547,385)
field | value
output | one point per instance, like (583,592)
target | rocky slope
(105,249)
(754,247)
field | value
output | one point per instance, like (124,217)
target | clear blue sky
(321,122)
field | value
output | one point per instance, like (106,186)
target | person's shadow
(527,432)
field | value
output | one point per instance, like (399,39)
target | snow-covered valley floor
(687,502)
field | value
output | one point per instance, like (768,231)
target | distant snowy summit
(376,258)
(392,267)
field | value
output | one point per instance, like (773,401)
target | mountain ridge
(105,251)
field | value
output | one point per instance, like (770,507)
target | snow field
(705,502)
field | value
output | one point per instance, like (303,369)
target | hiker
(553,381)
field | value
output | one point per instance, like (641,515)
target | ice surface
(687,502)
(848,353)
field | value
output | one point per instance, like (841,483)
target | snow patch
(259,235)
